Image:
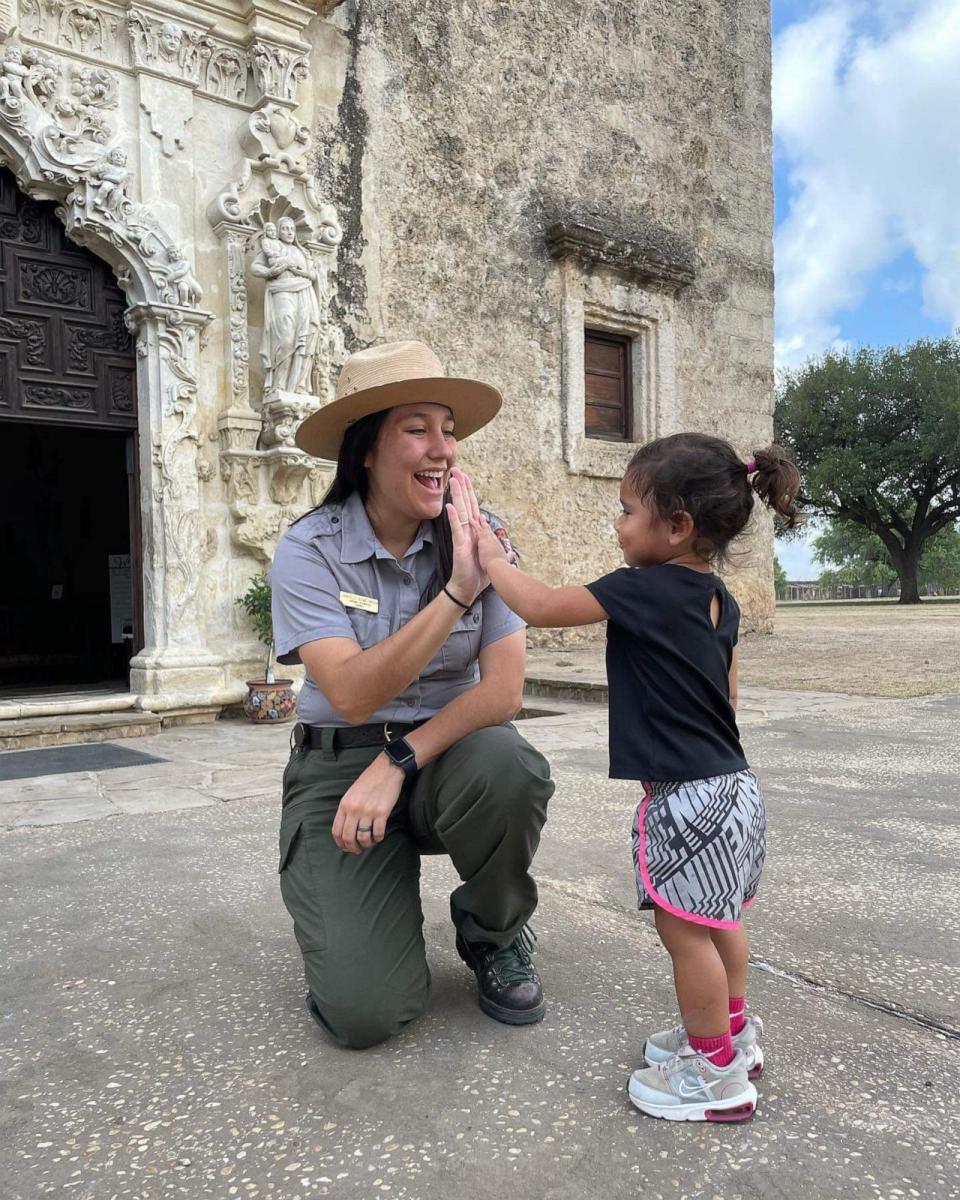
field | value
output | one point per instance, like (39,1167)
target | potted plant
(267,699)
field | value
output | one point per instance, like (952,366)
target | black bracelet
(465,607)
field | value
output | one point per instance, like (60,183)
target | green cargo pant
(357,918)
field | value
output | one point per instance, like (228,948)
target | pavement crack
(885,1006)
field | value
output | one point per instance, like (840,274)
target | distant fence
(812,589)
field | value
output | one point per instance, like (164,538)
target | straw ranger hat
(390,375)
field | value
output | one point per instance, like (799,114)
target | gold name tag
(367,603)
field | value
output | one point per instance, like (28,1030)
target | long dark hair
(351,476)
(704,476)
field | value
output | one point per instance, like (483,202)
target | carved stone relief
(168,49)
(293,238)
(60,134)
(59,121)
(278,72)
(167,350)
(137,40)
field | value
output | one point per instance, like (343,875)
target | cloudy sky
(866,112)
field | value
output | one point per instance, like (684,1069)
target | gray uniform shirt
(328,560)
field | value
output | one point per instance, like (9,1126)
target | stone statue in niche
(110,178)
(291,310)
(181,284)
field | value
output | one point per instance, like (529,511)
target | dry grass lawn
(867,650)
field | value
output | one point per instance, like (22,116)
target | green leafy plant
(255,602)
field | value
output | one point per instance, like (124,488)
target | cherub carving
(13,78)
(181,284)
(110,177)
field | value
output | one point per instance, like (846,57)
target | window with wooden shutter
(607,386)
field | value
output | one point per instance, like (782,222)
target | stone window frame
(627,286)
(653,366)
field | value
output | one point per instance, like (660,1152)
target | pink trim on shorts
(652,891)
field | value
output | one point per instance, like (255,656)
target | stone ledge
(31,732)
(652,255)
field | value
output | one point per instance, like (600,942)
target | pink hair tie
(751,466)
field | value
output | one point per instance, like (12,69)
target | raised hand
(489,546)
(467,580)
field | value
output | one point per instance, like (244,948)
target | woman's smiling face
(410,462)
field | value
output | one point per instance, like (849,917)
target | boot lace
(515,962)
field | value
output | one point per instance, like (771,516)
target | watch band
(402,755)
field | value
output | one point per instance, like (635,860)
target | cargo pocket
(289,836)
(298,887)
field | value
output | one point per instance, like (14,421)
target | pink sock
(718,1050)
(738,1006)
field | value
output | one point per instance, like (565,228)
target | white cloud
(866,102)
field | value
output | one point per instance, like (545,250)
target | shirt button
(408,703)
(335,520)
(407,579)
(476,618)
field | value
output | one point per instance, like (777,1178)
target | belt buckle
(387,735)
(298,736)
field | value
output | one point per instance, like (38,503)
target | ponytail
(776,480)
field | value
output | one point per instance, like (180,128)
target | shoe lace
(514,962)
(673,1065)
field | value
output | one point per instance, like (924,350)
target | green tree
(940,564)
(854,556)
(876,436)
(779,579)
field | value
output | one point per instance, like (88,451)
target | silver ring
(466,522)
(364,829)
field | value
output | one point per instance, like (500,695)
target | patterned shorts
(698,847)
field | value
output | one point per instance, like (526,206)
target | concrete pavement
(154,1041)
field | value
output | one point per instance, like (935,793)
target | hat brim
(473,405)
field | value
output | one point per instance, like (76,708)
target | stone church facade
(570,201)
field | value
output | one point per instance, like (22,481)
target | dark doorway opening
(68,612)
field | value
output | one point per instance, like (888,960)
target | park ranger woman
(414,668)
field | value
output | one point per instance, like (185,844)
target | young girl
(698,835)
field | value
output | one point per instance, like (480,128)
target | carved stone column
(238,426)
(174,549)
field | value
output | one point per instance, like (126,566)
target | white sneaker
(660,1047)
(690,1088)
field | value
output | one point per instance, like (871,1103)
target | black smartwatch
(402,755)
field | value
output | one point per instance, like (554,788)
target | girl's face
(410,462)
(644,537)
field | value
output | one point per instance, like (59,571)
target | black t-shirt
(668,671)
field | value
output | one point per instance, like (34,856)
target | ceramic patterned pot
(269,701)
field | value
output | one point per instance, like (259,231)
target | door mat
(64,760)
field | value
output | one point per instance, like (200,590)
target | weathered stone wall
(458,132)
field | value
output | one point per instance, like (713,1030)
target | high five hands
(471,530)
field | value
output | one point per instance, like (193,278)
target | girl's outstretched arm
(539,604)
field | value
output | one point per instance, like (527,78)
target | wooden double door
(71,610)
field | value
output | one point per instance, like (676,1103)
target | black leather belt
(309,737)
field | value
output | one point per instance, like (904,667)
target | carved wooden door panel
(65,354)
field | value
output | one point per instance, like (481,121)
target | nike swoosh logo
(687,1093)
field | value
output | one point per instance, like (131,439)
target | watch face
(399,751)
